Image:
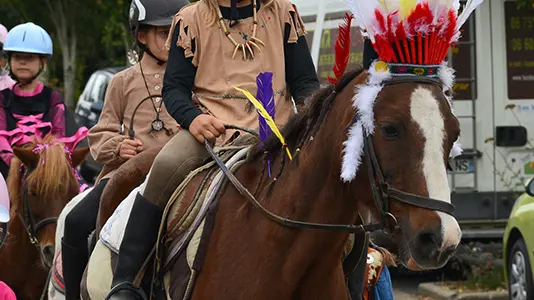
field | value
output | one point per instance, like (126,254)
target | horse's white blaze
(425,112)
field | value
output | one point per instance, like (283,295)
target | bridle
(25,216)
(381,190)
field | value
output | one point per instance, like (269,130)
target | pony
(257,249)
(41,181)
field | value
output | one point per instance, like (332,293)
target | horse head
(401,131)
(43,173)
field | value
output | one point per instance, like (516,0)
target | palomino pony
(41,181)
(258,249)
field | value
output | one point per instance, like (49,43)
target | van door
(513,88)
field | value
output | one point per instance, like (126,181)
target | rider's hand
(206,127)
(129,148)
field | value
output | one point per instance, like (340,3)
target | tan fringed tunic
(217,73)
(125,91)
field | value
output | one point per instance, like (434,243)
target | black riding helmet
(153,13)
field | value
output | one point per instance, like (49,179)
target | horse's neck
(17,247)
(311,190)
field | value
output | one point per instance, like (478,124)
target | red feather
(342,49)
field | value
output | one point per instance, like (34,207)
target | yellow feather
(406,8)
(267,118)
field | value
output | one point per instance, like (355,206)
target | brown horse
(251,257)
(41,181)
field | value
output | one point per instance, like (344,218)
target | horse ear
(26,155)
(78,156)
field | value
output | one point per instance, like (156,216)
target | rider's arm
(105,137)
(58,115)
(301,76)
(178,84)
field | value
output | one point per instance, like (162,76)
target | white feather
(352,158)
(468,9)
(456,150)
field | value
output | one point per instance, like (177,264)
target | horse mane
(53,164)
(13,182)
(307,122)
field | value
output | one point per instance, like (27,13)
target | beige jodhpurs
(181,155)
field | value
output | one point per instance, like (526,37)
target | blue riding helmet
(29,38)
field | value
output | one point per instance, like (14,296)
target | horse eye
(390,132)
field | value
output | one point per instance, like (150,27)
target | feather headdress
(411,31)
(411,37)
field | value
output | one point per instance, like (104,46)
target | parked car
(518,246)
(88,111)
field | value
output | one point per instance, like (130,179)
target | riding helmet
(29,38)
(154,12)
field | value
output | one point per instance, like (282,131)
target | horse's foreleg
(130,175)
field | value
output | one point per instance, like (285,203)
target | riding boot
(139,239)
(74,261)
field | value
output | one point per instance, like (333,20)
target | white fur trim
(376,78)
(363,101)
(352,158)
(446,75)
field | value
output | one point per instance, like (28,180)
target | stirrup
(126,286)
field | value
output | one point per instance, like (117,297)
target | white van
(494,100)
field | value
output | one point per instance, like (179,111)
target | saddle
(184,233)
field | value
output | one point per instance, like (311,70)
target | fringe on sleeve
(292,17)
(188,32)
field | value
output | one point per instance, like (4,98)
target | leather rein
(25,216)
(382,191)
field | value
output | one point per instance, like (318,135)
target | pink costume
(6,293)
(17,128)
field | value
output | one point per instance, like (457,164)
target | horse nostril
(449,251)
(48,254)
(428,244)
(427,238)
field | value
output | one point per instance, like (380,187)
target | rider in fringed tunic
(214,46)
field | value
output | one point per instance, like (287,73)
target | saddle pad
(112,233)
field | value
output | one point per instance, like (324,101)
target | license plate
(463,165)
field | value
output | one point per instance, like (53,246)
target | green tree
(86,35)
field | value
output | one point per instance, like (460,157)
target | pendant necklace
(251,43)
(157,124)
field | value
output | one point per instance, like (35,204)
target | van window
(519,50)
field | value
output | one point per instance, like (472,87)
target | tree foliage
(87,35)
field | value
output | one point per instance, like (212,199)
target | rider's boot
(74,260)
(139,239)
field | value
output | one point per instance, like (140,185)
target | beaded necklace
(252,42)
